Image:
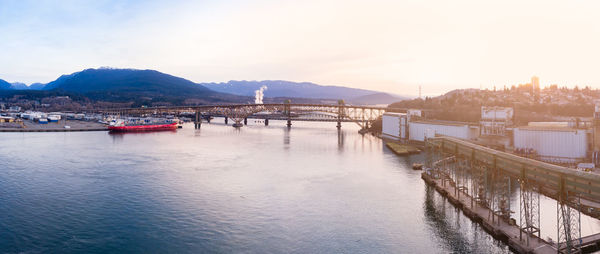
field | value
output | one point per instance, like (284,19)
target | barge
(121,126)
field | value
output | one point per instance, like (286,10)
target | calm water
(259,189)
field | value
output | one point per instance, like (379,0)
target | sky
(392,46)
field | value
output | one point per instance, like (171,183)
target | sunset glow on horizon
(391,46)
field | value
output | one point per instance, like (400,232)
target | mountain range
(280,88)
(118,85)
(5,85)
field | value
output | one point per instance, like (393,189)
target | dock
(402,149)
(500,229)
(52,129)
(74,126)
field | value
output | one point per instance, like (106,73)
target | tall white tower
(535,83)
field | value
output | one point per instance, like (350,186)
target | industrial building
(420,130)
(411,126)
(556,142)
(552,142)
(495,120)
(394,125)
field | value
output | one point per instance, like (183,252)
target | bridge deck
(362,115)
(202,107)
(299,119)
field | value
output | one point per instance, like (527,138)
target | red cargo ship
(137,128)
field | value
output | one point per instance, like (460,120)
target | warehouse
(394,126)
(552,143)
(421,129)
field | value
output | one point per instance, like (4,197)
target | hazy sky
(391,46)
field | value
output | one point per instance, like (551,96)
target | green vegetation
(530,104)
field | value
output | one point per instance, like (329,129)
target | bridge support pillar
(529,213)
(266,122)
(197,120)
(245,121)
(226,120)
(288,112)
(341,114)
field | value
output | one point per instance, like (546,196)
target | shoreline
(53,130)
(74,126)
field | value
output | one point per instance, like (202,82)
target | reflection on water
(222,189)
(449,224)
(286,137)
(341,136)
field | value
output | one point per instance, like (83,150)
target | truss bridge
(364,116)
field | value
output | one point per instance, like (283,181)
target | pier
(73,126)
(478,180)
(499,229)
(54,129)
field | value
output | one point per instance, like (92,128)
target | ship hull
(141,128)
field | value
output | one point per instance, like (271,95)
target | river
(257,189)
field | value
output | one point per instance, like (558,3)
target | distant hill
(280,88)
(129,84)
(126,80)
(548,104)
(19,86)
(150,87)
(4,85)
(37,86)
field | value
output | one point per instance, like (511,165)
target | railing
(364,116)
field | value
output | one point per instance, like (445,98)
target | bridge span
(364,116)
(483,176)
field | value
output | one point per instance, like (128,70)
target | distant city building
(535,82)
(596,134)
(535,85)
